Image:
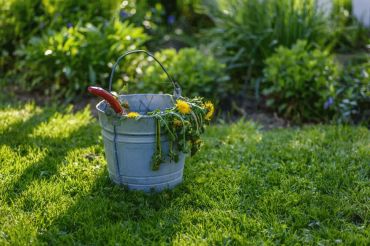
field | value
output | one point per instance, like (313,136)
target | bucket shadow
(110,214)
(106,210)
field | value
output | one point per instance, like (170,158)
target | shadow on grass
(14,134)
(110,214)
(17,137)
(107,213)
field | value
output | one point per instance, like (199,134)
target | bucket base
(168,176)
(149,187)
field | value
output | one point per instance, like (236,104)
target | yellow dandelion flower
(133,115)
(211,110)
(177,122)
(183,107)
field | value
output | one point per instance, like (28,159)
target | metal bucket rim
(129,95)
(145,94)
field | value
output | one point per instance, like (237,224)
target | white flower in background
(48,52)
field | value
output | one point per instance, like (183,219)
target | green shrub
(248,31)
(352,100)
(73,11)
(348,33)
(170,23)
(18,20)
(198,74)
(65,62)
(22,19)
(298,82)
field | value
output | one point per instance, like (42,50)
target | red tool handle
(113,101)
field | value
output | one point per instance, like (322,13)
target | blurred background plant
(352,101)
(173,24)
(230,51)
(64,63)
(347,33)
(197,73)
(20,20)
(248,31)
(299,83)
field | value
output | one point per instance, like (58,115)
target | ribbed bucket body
(130,144)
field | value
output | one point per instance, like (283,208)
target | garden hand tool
(109,97)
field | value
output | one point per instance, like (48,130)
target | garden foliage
(298,82)
(347,33)
(59,47)
(20,20)
(197,73)
(248,31)
(169,23)
(65,62)
(352,99)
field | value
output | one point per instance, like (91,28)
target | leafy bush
(248,31)
(353,95)
(347,32)
(17,22)
(298,82)
(65,62)
(170,23)
(61,13)
(198,74)
(17,18)
(22,19)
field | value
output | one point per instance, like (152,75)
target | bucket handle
(176,86)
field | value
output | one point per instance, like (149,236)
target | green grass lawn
(245,186)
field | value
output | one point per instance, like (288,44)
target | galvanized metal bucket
(130,143)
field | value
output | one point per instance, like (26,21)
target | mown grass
(304,186)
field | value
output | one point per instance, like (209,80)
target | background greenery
(299,81)
(199,74)
(64,63)
(222,50)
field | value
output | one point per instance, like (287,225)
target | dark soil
(267,120)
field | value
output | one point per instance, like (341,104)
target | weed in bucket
(146,136)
